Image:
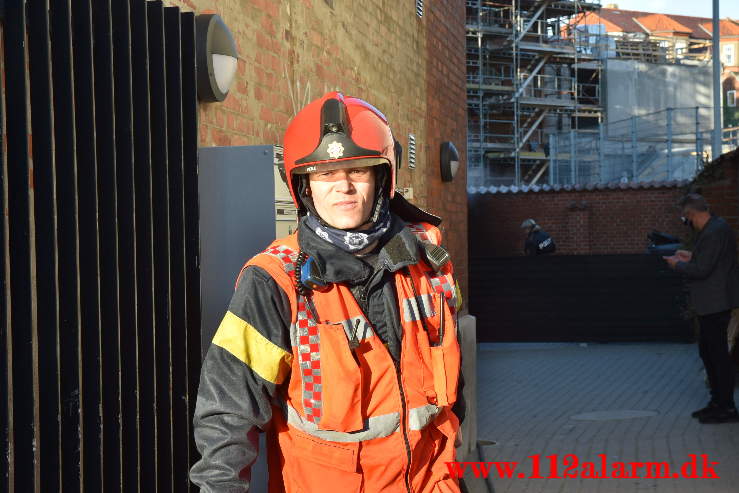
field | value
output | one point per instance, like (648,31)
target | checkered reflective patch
(286,254)
(309,359)
(444,284)
(419,231)
(304,334)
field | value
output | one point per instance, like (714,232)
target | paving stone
(529,393)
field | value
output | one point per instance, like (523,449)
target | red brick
(220,138)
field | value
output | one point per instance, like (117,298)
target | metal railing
(670,144)
(548,86)
(533,43)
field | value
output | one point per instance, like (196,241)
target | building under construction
(532,71)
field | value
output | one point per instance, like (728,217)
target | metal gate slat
(14,33)
(180,418)
(579,299)
(4,319)
(39,50)
(160,193)
(66,193)
(128,341)
(103,253)
(87,213)
(191,231)
(107,193)
(144,247)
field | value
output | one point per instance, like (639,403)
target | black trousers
(714,351)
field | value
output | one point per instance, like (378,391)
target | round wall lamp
(449,161)
(216,57)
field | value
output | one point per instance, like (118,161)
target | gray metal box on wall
(237,220)
(236,188)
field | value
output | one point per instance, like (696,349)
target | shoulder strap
(278,259)
(426,232)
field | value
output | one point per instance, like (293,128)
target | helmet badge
(335,150)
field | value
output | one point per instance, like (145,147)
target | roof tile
(578,188)
(619,20)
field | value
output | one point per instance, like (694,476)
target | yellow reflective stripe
(265,358)
(459,296)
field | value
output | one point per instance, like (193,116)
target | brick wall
(719,184)
(581,222)
(446,121)
(411,68)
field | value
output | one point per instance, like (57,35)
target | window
(728,55)
(731,99)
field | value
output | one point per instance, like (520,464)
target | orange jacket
(349,417)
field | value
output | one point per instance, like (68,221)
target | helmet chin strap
(380,198)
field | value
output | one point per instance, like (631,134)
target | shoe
(700,412)
(720,415)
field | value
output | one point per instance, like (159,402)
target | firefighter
(340,341)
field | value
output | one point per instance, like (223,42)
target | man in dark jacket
(711,271)
(537,242)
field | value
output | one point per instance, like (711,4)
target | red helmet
(336,129)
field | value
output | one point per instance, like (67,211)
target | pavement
(628,402)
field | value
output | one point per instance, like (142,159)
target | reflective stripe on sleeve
(374,427)
(242,340)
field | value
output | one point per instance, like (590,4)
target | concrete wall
(635,88)
(411,68)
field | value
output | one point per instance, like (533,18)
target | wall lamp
(449,160)
(216,57)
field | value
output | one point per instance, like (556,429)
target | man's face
(687,216)
(344,197)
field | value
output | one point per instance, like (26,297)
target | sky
(698,8)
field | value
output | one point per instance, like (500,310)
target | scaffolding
(532,71)
(670,144)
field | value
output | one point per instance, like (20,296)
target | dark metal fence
(100,316)
(577,298)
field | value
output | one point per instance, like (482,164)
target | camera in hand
(663,244)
